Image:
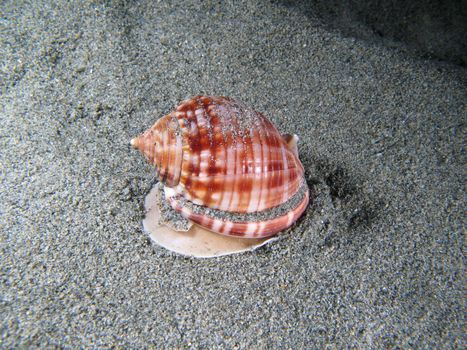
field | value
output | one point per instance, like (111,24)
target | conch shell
(225,167)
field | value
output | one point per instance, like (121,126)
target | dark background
(436,29)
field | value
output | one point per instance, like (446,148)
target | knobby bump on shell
(226,167)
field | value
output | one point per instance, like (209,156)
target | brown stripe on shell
(248,184)
(239,178)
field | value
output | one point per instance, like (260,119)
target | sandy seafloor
(376,262)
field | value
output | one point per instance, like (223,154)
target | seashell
(225,167)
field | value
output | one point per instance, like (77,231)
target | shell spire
(162,146)
(145,144)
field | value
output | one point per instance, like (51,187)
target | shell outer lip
(240,228)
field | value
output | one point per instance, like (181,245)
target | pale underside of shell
(227,168)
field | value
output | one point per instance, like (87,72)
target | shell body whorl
(217,153)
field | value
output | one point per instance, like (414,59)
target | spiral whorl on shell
(162,146)
(226,167)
